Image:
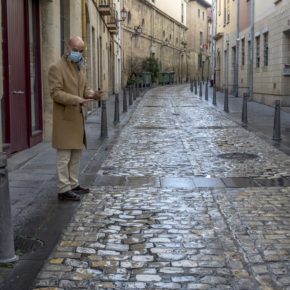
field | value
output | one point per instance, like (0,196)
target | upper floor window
(228,12)
(225,12)
(182,13)
(198,13)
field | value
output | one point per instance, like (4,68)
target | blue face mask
(75,56)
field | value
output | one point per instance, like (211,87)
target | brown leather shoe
(81,190)
(69,195)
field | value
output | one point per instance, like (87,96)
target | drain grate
(215,127)
(150,127)
(238,156)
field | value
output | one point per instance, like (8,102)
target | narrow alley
(186,199)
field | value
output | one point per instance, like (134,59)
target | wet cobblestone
(157,237)
(179,130)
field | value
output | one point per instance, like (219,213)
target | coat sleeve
(55,82)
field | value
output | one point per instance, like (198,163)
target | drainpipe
(251,64)
(236,75)
(214,46)
(84,22)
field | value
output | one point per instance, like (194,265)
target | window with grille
(243,53)
(266,49)
(233,57)
(258,51)
(249,52)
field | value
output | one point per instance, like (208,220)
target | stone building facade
(199,39)
(149,32)
(35,36)
(271,53)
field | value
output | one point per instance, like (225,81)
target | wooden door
(15,75)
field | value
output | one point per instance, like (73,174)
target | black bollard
(214,95)
(195,87)
(191,86)
(125,106)
(226,101)
(104,124)
(206,91)
(137,91)
(134,92)
(277,122)
(200,89)
(245,110)
(7,250)
(117,109)
(130,95)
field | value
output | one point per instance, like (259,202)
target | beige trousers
(67,169)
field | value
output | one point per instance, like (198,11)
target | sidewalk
(38,216)
(260,118)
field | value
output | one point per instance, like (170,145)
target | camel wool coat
(67,84)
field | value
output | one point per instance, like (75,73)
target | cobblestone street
(187,199)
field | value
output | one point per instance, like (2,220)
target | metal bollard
(245,110)
(191,86)
(277,122)
(214,95)
(137,91)
(104,123)
(200,89)
(195,87)
(130,95)
(125,107)
(206,91)
(7,250)
(117,109)
(134,92)
(226,101)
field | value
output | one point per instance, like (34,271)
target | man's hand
(99,95)
(85,101)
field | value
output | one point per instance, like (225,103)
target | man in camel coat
(68,89)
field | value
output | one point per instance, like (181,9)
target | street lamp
(124,14)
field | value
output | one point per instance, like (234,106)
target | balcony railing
(105,7)
(112,23)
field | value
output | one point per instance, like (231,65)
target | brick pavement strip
(155,237)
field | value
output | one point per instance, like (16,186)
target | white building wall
(174,9)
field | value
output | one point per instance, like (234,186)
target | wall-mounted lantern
(137,30)
(124,14)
